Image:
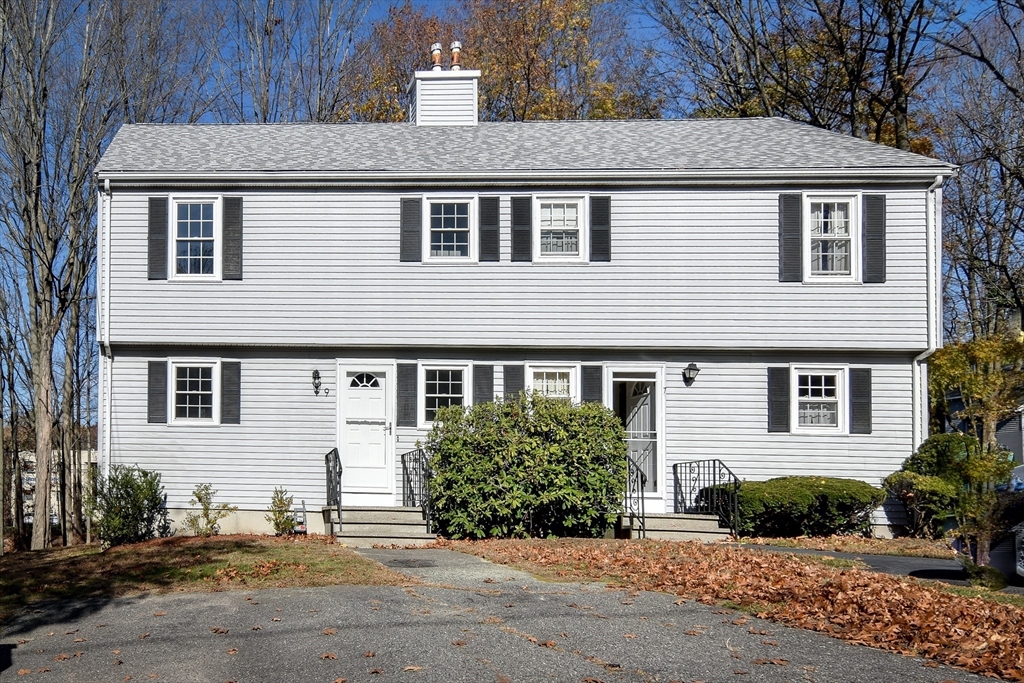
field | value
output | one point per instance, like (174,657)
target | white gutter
(933,256)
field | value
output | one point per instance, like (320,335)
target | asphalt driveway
(459,619)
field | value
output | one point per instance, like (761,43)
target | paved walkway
(459,619)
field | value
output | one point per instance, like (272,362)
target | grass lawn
(951,624)
(906,547)
(182,564)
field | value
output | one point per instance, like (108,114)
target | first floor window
(194,238)
(554,382)
(818,398)
(444,387)
(193,392)
(449,229)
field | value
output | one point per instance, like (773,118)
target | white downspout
(103,315)
(933,223)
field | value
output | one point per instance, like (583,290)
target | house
(268,293)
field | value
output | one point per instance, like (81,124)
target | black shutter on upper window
(860,400)
(232,238)
(412,230)
(874,237)
(515,380)
(522,229)
(156,406)
(790,238)
(407,395)
(158,229)
(230,392)
(778,399)
(600,228)
(592,384)
(483,383)
(490,229)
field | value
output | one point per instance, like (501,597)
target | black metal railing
(415,478)
(333,462)
(635,512)
(707,487)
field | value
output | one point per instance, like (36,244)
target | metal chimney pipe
(456,52)
(435,57)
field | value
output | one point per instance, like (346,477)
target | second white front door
(366,440)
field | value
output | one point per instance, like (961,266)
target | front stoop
(682,527)
(364,527)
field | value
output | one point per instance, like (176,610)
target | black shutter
(522,229)
(230,392)
(860,400)
(874,237)
(156,408)
(600,228)
(490,229)
(412,230)
(515,380)
(592,381)
(791,208)
(158,230)
(483,383)
(232,237)
(778,399)
(407,402)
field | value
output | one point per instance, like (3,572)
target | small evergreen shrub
(128,506)
(928,500)
(944,455)
(535,466)
(204,521)
(806,506)
(279,514)
(984,577)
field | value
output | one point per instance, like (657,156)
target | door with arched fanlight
(366,434)
(635,401)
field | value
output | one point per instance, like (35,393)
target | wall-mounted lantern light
(316,382)
(690,373)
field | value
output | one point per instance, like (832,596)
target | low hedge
(806,506)
(529,467)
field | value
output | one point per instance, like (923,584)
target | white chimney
(444,98)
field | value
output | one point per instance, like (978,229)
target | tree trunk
(42,387)
(984,544)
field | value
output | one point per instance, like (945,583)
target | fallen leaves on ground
(863,607)
(329,631)
(328,655)
(906,547)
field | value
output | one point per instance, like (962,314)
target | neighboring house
(414,265)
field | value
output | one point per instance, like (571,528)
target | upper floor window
(448,233)
(195,234)
(831,237)
(559,233)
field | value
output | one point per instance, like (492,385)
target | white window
(195,237)
(831,238)
(194,392)
(819,399)
(449,229)
(554,381)
(444,385)
(560,229)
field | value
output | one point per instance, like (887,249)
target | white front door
(365,429)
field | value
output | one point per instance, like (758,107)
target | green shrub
(985,577)
(279,514)
(928,500)
(943,455)
(128,506)
(204,522)
(534,466)
(806,506)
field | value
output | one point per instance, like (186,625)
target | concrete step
(684,522)
(703,536)
(370,541)
(355,515)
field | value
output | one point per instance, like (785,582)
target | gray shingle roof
(691,145)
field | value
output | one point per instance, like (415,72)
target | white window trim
(574,376)
(421,389)
(172,236)
(854,199)
(474,242)
(843,398)
(172,365)
(610,370)
(583,216)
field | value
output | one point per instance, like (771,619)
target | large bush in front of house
(128,506)
(806,506)
(534,466)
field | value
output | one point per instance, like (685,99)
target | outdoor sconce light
(690,373)
(316,382)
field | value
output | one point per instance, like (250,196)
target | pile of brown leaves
(856,605)
(907,547)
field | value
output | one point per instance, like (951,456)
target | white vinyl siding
(695,268)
